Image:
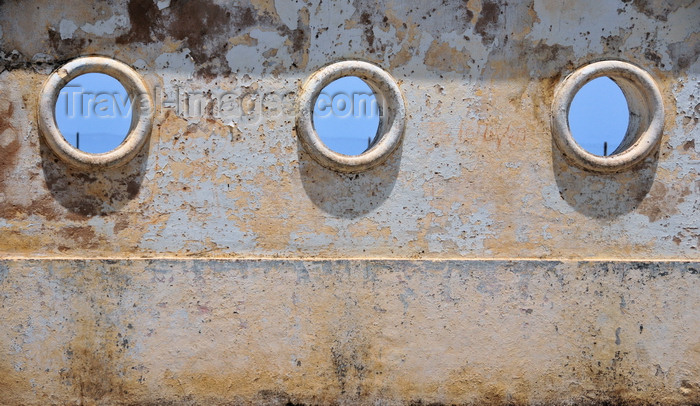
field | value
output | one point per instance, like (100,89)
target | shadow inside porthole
(93,192)
(603,195)
(348,195)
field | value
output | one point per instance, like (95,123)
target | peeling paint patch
(441,57)
(66,28)
(551,199)
(287,11)
(180,62)
(108,26)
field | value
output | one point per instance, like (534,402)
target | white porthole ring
(392,119)
(141,120)
(646,119)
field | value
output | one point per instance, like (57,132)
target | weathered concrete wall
(387,331)
(476,190)
(476,176)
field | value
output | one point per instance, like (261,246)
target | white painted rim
(646,116)
(391,121)
(142,112)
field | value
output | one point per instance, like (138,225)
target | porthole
(121,95)
(390,122)
(644,122)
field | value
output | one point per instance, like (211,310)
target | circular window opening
(346,116)
(599,116)
(350,116)
(93,113)
(631,124)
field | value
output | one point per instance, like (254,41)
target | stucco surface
(349,332)
(477,174)
(225,265)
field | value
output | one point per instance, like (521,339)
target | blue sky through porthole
(346,116)
(93,113)
(599,114)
